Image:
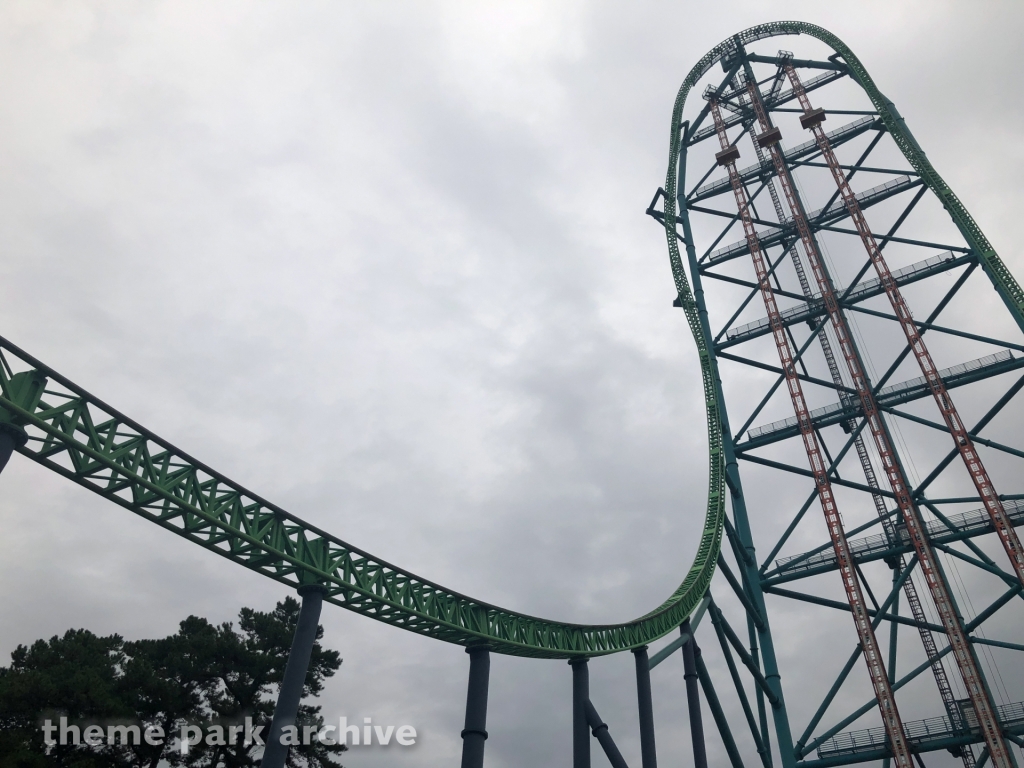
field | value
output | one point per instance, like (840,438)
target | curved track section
(67,430)
(1008,287)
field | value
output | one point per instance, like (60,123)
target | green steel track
(78,436)
(64,428)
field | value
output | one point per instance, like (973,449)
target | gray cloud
(388,266)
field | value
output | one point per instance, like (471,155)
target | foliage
(204,675)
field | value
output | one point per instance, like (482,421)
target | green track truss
(67,430)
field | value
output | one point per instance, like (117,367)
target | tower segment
(851,583)
(812,120)
(974,681)
(911,516)
(695,217)
(770,139)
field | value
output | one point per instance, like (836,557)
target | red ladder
(769,139)
(962,651)
(872,655)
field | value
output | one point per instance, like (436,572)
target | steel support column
(294,674)
(645,707)
(599,728)
(580,698)
(474,735)
(700,757)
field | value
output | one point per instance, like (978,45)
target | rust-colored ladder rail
(865,632)
(962,651)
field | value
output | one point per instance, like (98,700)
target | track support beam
(604,738)
(700,756)
(645,707)
(741,521)
(474,735)
(580,699)
(294,674)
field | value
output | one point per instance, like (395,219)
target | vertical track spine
(869,643)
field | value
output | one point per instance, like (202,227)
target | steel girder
(692,273)
(73,433)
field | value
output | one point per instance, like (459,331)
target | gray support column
(7,445)
(645,705)
(294,674)
(716,710)
(600,731)
(580,698)
(475,733)
(700,757)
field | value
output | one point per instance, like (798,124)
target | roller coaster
(834,294)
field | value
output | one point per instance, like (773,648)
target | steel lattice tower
(751,257)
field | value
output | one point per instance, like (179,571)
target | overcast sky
(388,265)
